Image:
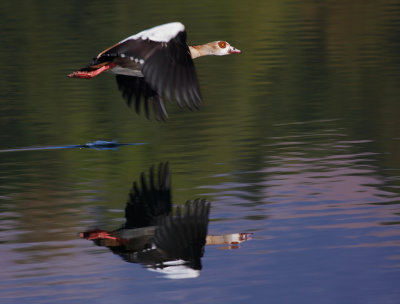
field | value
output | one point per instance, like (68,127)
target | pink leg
(91,74)
(102,235)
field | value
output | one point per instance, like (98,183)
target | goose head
(221,48)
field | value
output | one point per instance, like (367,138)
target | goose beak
(233,50)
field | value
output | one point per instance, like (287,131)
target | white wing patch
(160,33)
(126,71)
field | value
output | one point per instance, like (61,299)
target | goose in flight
(155,64)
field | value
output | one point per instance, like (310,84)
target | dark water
(297,142)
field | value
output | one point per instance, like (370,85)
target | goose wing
(162,57)
(150,202)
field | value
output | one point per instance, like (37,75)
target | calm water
(297,142)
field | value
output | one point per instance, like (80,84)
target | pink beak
(233,50)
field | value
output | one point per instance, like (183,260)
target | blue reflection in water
(95,145)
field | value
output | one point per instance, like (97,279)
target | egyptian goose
(154,64)
(152,235)
(155,237)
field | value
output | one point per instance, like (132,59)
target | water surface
(297,142)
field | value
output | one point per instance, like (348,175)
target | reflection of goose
(154,237)
(153,63)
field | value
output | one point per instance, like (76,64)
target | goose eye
(222,44)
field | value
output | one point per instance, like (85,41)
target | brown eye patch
(222,44)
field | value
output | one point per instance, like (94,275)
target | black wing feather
(168,70)
(184,235)
(174,58)
(137,88)
(151,202)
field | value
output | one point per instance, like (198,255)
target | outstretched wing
(135,89)
(170,70)
(164,62)
(151,202)
(184,236)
